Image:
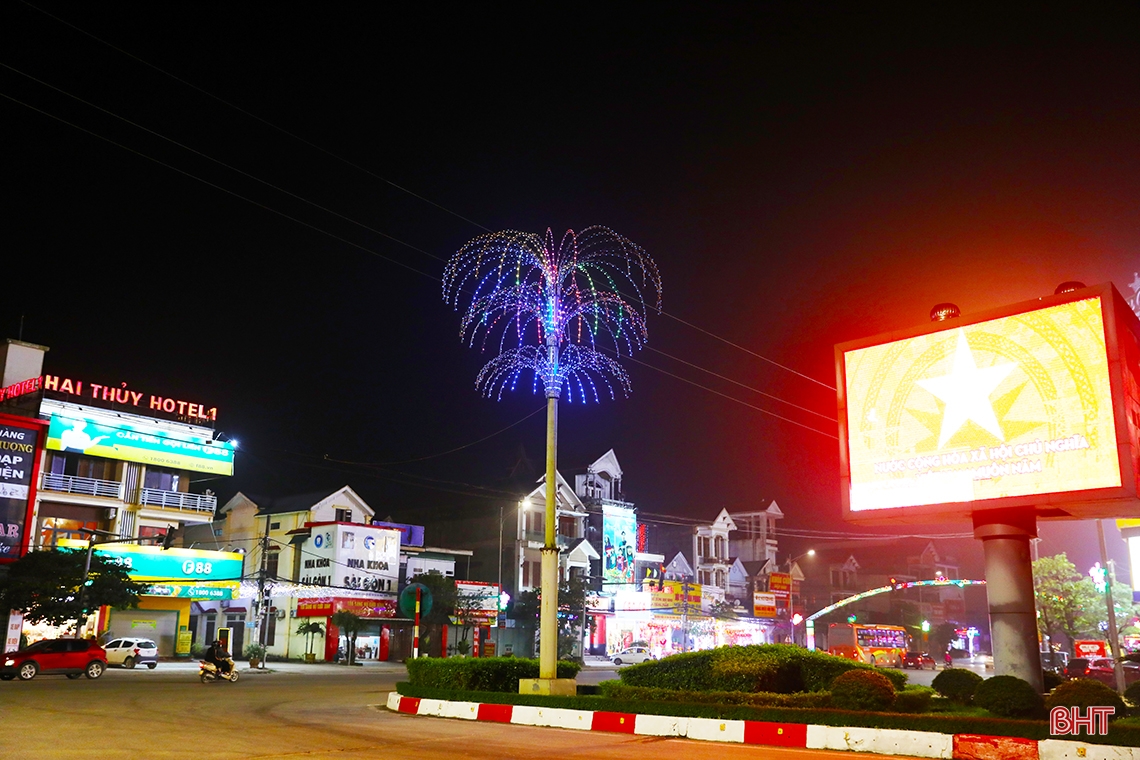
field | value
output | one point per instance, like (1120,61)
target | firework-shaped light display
(555,313)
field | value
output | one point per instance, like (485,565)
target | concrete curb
(882,740)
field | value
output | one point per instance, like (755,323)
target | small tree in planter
(310,630)
(255,653)
(351,624)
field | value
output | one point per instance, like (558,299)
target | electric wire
(389,182)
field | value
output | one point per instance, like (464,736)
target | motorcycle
(208,671)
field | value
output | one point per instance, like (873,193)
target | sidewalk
(290,667)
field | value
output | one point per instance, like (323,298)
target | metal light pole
(548,611)
(1113,637)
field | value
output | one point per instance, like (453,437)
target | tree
(941,637)
(470,611)
(572,596)
(351,624)
(48,586)
(442,591)
(1067,601)
(309,630)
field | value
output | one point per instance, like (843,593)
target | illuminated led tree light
(549,311)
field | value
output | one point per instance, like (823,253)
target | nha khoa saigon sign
(1024,406)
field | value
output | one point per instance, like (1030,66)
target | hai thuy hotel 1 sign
(120,395)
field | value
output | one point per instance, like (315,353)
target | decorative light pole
(546,309)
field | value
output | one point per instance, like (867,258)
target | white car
(633,655)
(132,651)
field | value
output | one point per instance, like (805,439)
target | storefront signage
(1090,648)
(365,608)
(15,628)
(476,603)
(193,591)
(410,535)
(351,556)
(153,563)
(673,598)
(763,605)
(105,435)
(619,544)
(123,396)
(21,388)
(20,445)
(780,584)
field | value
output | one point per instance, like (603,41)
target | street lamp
(792,622)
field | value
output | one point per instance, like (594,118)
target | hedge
(862,690)
(618,690)
(957,684)
(913,699)
(1123,735)
(1009,697)
(779,668)
(479,673)
(1084,693)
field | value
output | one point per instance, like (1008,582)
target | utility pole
(499,601)
(262,602)
(685,616)
(1113,637)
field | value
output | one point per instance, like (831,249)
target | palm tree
(309,630)
(351,624)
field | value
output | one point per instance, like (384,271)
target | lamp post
(791,586)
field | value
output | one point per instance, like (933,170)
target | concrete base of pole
(1009,589)
(562,687)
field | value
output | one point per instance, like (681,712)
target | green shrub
(780,668)
(1132,693)
(1085,692)
(479,674)
(913,699)
(862,690)
(957,684)
(1009,697)
(618,690)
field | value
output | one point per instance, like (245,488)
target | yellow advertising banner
(763,605)
(1014,406)
(672,598)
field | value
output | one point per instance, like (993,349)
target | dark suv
(69,657)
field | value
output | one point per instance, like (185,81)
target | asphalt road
(299,711)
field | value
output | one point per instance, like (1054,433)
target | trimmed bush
(779,668)
(913,699)
(1009,697)
(480,673)
(1132,693)
(1051,680)
(957,684)
(1085,692)
(618,690)
(862,690)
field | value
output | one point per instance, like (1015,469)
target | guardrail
(86,486)
(189,502)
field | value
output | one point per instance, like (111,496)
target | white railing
(86,486)
(191,502)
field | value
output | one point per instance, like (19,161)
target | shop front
(376,642)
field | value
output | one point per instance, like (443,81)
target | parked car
(918,661)
(632,655)
(1078,667)
(69,657)
(1054,661)
(1101,669)
(130,652)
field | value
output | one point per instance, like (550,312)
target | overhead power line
(389,182)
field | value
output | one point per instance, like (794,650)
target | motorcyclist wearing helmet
(219,657)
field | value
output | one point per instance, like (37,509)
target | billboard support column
(1009,590)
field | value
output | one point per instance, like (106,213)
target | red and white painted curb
(886,741)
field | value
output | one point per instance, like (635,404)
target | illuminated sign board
(763,605)
(123,396)
(22,388)
(1021,407)
(410,535)
(365,608)
(21,441)
(619,544)
(478,603)
(780,584)
(153,563)
(351,556)
(103,434)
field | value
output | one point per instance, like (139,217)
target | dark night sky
(802,177)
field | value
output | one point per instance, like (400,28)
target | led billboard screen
(619,537)
(1011,410)
(105,435)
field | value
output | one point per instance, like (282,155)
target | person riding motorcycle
(219,657)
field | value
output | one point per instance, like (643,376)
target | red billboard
(365,608)
(21,446)
(1024,406)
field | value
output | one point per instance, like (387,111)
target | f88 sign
(1017,406)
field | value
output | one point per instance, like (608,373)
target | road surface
(299,712)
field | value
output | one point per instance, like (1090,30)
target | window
(344,515)
(161,479)
(114,644)
(275,526)
(271,628)
(271,564)
(567,526)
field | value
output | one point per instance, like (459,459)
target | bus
(874,644)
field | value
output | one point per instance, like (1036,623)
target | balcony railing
(86,486)
(532,536)
(188,502)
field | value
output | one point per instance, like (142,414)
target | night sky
(801,176)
